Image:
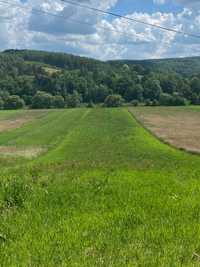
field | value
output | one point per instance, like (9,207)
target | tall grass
(106,193)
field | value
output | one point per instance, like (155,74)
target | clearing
(179,127)
(10,120)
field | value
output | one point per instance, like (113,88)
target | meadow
(103,192)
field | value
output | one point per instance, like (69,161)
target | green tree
(73,100)
(152,89)
(90,105)
(1,103)
(195,99)
(123,84)
(113,101)
(99,93)
(58,101)
(14,102)
(134,93)
(172,100)
(42,100)
(135,103)
(166,99)
(168,85)
(195,85)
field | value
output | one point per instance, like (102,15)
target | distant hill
(185,66)
(48,79)
(60,60)
(188,66)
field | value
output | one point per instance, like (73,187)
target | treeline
(54,80)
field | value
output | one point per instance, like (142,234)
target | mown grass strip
(114,196)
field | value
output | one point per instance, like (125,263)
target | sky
(80,31)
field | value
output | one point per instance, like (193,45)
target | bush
(90,105)
(14,102)
(58,101)
(1,104)
(135,103)
(155,103)
(148,102)
(73,100)
(179,100)
(42,100)
(195,99)
(166,100)
(172,100)
(113,101)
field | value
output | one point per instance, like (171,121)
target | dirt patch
(19,120)
(7,125)
(178,127)
(21,152)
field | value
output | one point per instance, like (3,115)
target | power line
(4,18)
(131,19)
(89,42)
(39,11)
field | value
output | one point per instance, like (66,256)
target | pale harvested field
(178,126)
(19,120)
(14,121)
(27,152)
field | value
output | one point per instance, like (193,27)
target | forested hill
(188,66)
(51,80)
(60,60)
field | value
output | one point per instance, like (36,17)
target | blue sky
(129,6)
(87,33)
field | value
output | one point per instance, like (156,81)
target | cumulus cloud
(90,34)
(77,19)
(160,2)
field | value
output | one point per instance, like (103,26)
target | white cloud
(159,2)
(39,31)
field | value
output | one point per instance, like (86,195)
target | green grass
(106,193)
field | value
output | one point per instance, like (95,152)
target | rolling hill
(41,79)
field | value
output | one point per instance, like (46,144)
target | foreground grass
(106,193)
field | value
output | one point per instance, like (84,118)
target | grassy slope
(106,194)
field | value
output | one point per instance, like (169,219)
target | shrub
(148,102)
(42,100)
(58,101)
(195,99)
(179,100)
(73,100)
(135,103)
(166,100)
(90,105)
(113,101)
(155,103)
(172,100)
(1,104)
(14,102)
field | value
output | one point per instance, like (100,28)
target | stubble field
(179,127)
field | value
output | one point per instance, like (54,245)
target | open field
(104,193)
(10,120)
(179,127)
